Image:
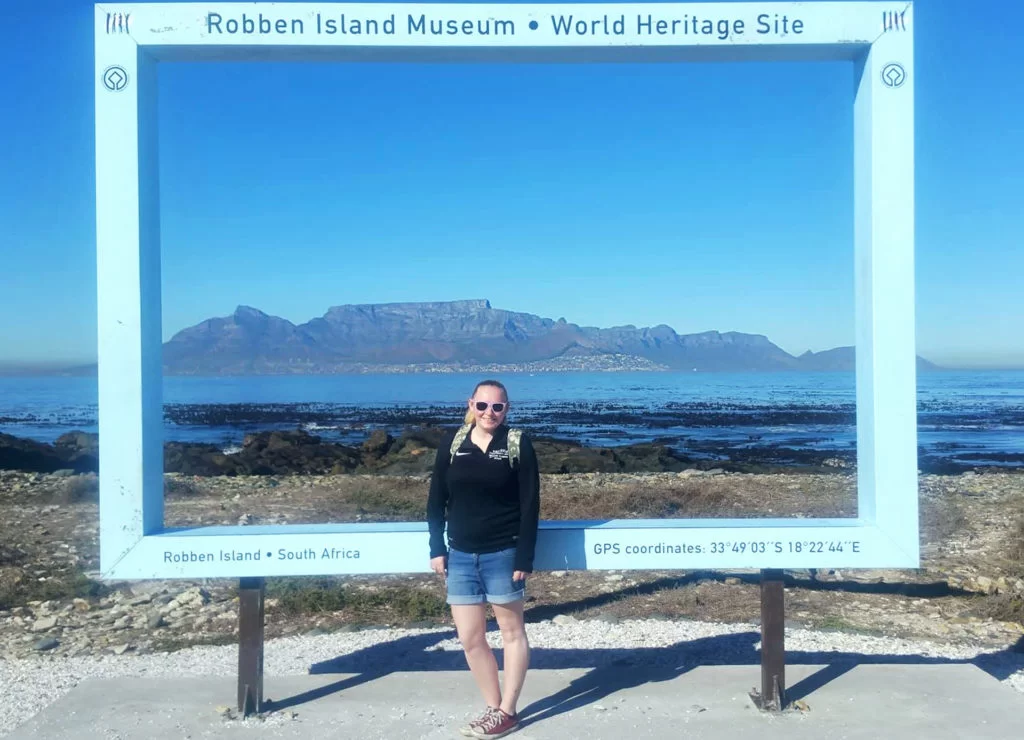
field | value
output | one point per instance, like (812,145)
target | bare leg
(517,651)
(471,625)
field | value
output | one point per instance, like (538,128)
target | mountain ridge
(465,335)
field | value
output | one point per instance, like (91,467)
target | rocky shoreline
(412,450)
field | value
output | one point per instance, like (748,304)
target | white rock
(46,623)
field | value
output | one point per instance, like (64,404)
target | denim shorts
(474,579)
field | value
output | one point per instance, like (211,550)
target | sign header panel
(499,25)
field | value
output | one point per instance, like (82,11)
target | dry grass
(1000,607)
(943,519)
(77,489)
(1015,545)
(656,501)
(716,497)
(180,488)
(86,489)
(346,498)
(354,605)
(18,590)
(1007,607)
(369,499)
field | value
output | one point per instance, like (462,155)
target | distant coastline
(606,364)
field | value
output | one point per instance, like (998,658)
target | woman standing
(486,488)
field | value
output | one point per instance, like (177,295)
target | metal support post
(773,641)
(251,593)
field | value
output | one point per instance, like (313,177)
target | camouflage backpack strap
(514,435)
(460,437)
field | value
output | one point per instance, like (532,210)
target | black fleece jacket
(488,505)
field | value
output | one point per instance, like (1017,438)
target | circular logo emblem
(893,75)
(115,78)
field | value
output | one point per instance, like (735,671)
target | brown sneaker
(467,729)
(496,724)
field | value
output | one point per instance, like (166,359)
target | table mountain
(458,334)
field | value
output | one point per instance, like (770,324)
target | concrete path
(869,702)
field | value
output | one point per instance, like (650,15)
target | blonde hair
(470,417)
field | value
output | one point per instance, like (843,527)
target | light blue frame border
(133,39)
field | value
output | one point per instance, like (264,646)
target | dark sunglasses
(482,406)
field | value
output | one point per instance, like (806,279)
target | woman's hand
(519,575)
(439,564)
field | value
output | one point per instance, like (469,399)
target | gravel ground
(30,685)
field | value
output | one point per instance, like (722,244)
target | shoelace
(483,718)
(493,720)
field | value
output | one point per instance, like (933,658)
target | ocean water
(976,416)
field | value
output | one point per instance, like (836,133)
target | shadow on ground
(613,670)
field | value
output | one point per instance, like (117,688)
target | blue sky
(704,197)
